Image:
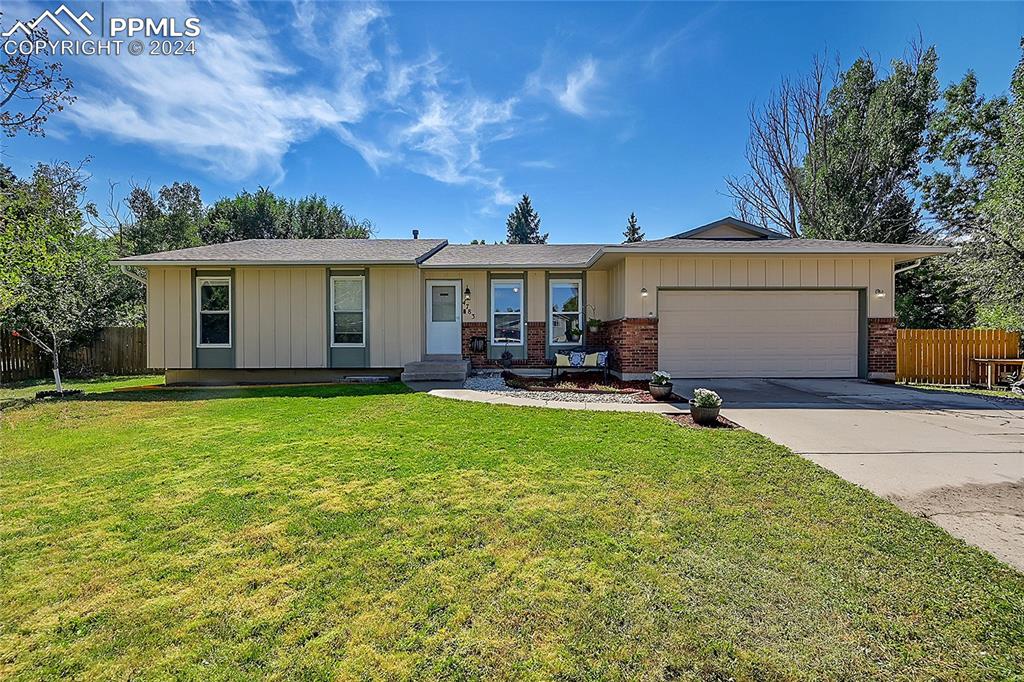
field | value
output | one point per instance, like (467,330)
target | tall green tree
(523,224)
(959,166)
(632,233)
(173,219)
(1002,219)
(860,165)
(833,154)
(264,215)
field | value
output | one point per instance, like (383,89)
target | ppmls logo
(161,36)
(51,18)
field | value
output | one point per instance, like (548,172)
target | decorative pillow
(591,360)
(561,360)
(602,359)
(576,358)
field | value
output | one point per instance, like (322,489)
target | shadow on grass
(186,394)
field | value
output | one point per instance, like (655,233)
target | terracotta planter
(661,391)
(704,415)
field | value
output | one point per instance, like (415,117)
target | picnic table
(988,365)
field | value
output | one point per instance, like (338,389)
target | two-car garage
(759,333)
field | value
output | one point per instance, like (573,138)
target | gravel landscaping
(494,383)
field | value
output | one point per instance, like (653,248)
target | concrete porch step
(433,369)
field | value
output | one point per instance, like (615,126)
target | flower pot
(593,328)
(660,391)
(704,415)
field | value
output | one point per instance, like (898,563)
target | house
(727,299)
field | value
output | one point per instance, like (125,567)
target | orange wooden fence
(114,350)
(943,356)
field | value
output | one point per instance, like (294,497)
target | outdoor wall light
(466,294)
(879,293)
(643,291)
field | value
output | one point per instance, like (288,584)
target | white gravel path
(493,383)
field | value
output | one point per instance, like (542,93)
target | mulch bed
(686,421)
(583,383)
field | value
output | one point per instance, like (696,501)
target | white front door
(444,317)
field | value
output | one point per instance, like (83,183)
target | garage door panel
(758,333)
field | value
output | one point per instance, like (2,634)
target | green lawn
(996,393)
(366,532)
(28,389)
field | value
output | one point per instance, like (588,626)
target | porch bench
(600,363)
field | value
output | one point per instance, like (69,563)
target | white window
(507,312)
(565,316)
(348,311)
(213,312)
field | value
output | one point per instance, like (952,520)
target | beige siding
(652,272)
(616,291)
(536,291)
(280,317)
(169,317)
(395,326)
(597,294)
(725,232)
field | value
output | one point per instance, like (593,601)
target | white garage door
(758,333)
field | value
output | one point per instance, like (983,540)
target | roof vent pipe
(415,234)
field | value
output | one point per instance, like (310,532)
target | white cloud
(225,107)
(573,89)
(239,104)
(578,84)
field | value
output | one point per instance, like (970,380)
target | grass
(364,532)
(28,389)
(993,393)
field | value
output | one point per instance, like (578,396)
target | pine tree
(632,233)
(523,224)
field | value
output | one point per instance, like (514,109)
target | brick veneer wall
(634,344)
(882,346)
(535,337)
(469,330)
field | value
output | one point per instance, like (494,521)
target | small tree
(523,224)
(63,303)
(632,233)
(63,286)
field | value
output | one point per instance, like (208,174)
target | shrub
(659,378)
(703,397)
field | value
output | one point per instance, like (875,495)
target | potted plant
(660,385)
(593,323)
(705,406)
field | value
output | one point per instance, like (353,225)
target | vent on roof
(415,234)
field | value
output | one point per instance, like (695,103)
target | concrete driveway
(955,459)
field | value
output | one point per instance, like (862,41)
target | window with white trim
(213,312)
(348,311)
(507,312)
(565,314)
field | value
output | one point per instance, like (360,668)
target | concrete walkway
(454,391)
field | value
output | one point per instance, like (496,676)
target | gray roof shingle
(291,251)
(513,255)
(808,246)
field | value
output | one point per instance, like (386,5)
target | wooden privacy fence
(114,350)
(943,356)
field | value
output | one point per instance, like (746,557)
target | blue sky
(438,115)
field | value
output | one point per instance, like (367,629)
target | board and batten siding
(280,317)
(169,341)
(395,319)
(597,294)
(776,272)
